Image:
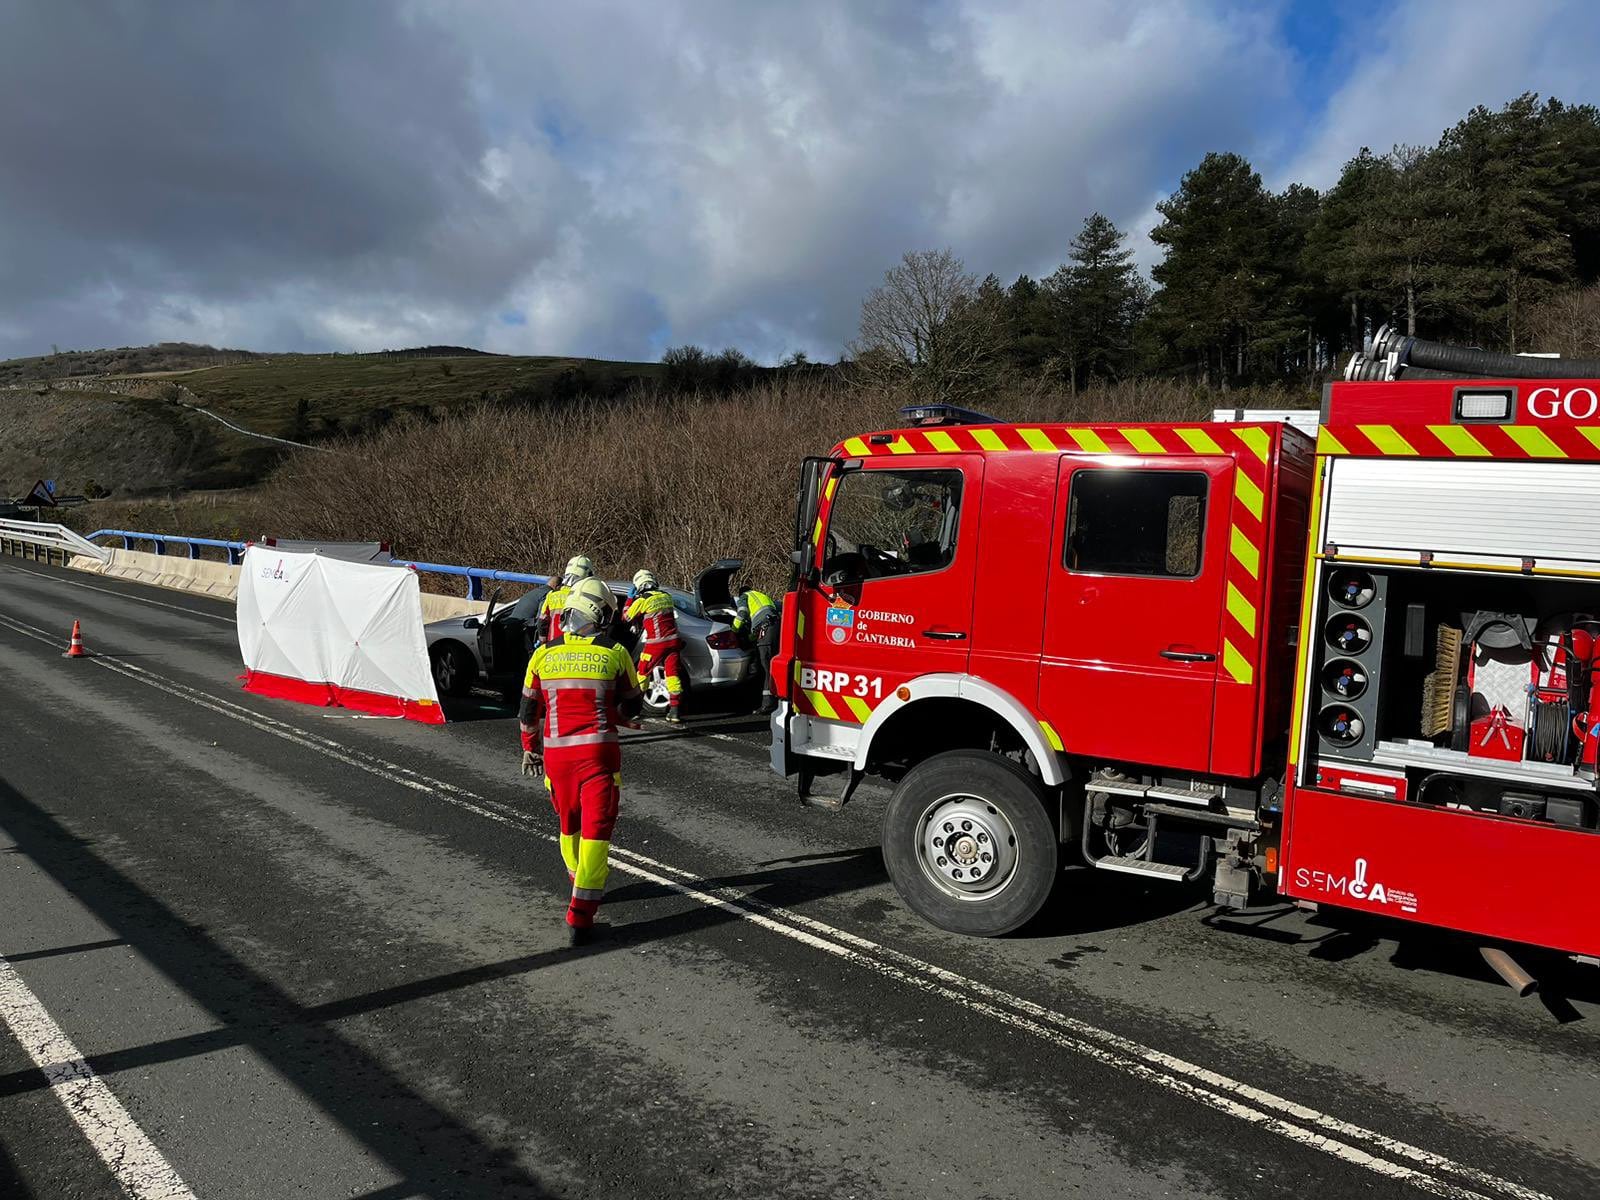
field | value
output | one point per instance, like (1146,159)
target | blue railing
(235,549)
(475,576)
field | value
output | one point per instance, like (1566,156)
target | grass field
(313,396)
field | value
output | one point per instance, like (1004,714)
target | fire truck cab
(1353,671)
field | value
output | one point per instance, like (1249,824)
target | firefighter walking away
(548,626)
(756,622)
(576,694)
(654,614)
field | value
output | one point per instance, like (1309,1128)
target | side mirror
(471,623)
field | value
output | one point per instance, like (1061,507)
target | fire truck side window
(886,523)
(1136,523)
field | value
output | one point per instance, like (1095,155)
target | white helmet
(579,566)
(644,581)
(590,602)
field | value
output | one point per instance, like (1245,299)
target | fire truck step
(1138,866)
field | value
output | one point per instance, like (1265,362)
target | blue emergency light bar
(945,414)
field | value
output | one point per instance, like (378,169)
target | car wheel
(657,699)
(969,843)
(453,669)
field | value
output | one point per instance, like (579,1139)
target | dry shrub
(1568,324)
(668,483)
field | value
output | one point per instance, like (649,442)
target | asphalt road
(253,949)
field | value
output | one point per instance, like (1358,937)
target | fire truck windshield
(892,523)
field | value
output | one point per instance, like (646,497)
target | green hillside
(135,432)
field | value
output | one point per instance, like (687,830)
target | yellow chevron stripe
(1051,736)
(1090,441)
(900,446)
(1200,441)
(1037,439)
(1592,432)
(1144,441)
(1244,550)
(1249,494)
(1258,440)
(1459,441)
(833,486)
(1328,444)
(1236,664)
(797,672)
(856,448)
(1243,611)
(942,441)
(799,625)
(860,707)
(823,707)
(816,530)
(1534,442)
(988,439)
(1387,439)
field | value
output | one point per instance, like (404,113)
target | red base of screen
(328,695)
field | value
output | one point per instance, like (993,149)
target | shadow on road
(433,1151)
(423,1143)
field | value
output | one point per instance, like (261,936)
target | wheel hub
(966,846)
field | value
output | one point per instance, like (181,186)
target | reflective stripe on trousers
(585,787)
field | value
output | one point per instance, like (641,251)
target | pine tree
(1097,297)
(1217,273)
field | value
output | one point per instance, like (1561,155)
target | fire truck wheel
(969,843)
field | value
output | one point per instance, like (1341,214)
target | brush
(1439,688)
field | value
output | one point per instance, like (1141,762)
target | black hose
(1435,356)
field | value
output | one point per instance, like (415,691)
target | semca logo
(1357,886)
(273,572)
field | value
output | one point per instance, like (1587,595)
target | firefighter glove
(532,763)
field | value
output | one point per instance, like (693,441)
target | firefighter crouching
(577,692)
(756,623)
(548,626)
(654,614)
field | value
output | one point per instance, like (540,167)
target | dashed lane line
(138,1167)
(1353,1144)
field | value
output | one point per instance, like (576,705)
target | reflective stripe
(580,739)
(579,893)
(588,685)
(1200,441)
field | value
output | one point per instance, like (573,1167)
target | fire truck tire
(969,843)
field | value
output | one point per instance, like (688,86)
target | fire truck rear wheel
(969,843)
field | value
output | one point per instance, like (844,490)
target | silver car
(492,650)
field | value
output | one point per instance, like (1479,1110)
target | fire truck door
(1133,613)
(895,595)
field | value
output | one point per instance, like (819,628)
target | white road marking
(1297,1122)
(131,1156)
(89,587)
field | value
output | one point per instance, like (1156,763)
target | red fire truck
(1359,671)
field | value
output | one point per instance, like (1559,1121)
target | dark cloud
(601,178)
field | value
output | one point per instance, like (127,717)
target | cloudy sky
(609,179)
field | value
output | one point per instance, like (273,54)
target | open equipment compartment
(1466,689)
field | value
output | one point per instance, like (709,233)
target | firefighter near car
(547,628)
(1360,671)
(577,693)
(654,614)
(755,621)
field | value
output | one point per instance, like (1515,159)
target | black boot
(768,705)
(579,935)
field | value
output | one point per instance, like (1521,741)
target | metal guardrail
(475,576)
(235,549)
(51,538)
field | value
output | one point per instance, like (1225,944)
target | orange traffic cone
(75,647)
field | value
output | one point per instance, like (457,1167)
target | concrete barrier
(205,578)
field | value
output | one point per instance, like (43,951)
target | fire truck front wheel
(969,843)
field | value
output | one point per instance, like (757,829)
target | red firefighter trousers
(670,662)
(585,785)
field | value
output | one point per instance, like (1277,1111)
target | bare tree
(1568,323)
(923,330)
